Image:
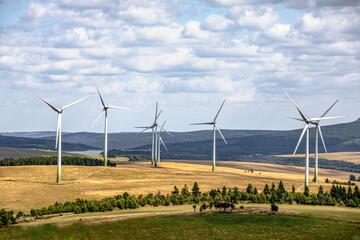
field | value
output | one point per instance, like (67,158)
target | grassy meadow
(27,187)
(253,222)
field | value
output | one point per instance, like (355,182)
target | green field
(197,226)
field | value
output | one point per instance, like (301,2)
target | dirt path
(90,175)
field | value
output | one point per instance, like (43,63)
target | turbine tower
(318,131)
(314,121)
(105,109)
(215,127)
(160,140)
(153,128)
(58,131)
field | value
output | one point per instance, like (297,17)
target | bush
(274,207)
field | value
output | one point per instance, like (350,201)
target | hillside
(22,142)
(338,138)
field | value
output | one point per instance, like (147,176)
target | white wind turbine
(215,127)
(58,130)
(314,121)
(160,140)
(153,128)
(105,109)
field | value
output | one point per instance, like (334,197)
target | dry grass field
(353,157)
(26,187)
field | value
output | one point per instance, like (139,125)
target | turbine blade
(301,114)
(143,130)
(324,118)
(301,136)
(156,114)
(97,119)
(220,133)
(142,127)
(296,119)
(54,108)
(322,139)
(163,143)
(168,132)
(115,107)
(329,109)
(57,132)
(162,127)
(69,105)
(102,100)
(206,123)
(219,110)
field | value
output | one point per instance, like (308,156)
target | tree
(223,192)
(195,190)
(266,189)
(321,190)
(255,191)
(306,191)
(293,189)
(281,188)
(272,187)
(249,188)
(352,177)
(327,180)
(176,190)
(274,207)
(185,191)
(194,207)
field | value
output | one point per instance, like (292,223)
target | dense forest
(223,199)
(65,160)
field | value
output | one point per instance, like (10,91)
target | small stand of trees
(66,160)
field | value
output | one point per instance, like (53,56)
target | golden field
(26,187)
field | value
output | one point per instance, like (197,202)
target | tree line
(216,198)
(66,160)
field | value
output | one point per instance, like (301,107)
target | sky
(187,55)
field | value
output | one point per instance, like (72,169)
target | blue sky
(188,55)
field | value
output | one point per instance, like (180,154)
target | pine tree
(249,188)
(281,188)
(272,187)
(293,189)
(185,191)
(195,190)
(176,191)
(223,192)
(266,189)
(306,191)
(255,191)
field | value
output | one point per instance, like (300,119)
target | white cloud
(215,22)
(253,17)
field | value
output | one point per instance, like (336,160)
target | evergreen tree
(306,191)
(321,190)
(249,188)
(223,192)
(195,190)
(266,189)
(255,191)
(272,187)
(176,190)
(185,191)
(281,188)
(293,189)
(352,177)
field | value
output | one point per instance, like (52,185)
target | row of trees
(66,160)
(219,199)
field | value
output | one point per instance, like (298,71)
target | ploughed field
(26,187)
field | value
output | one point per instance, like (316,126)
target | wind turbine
(215,127)
(160,140)
(58,130)
(105,109)
(154,141)
(314,121)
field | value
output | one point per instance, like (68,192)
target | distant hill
(22,142)
(343,137)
